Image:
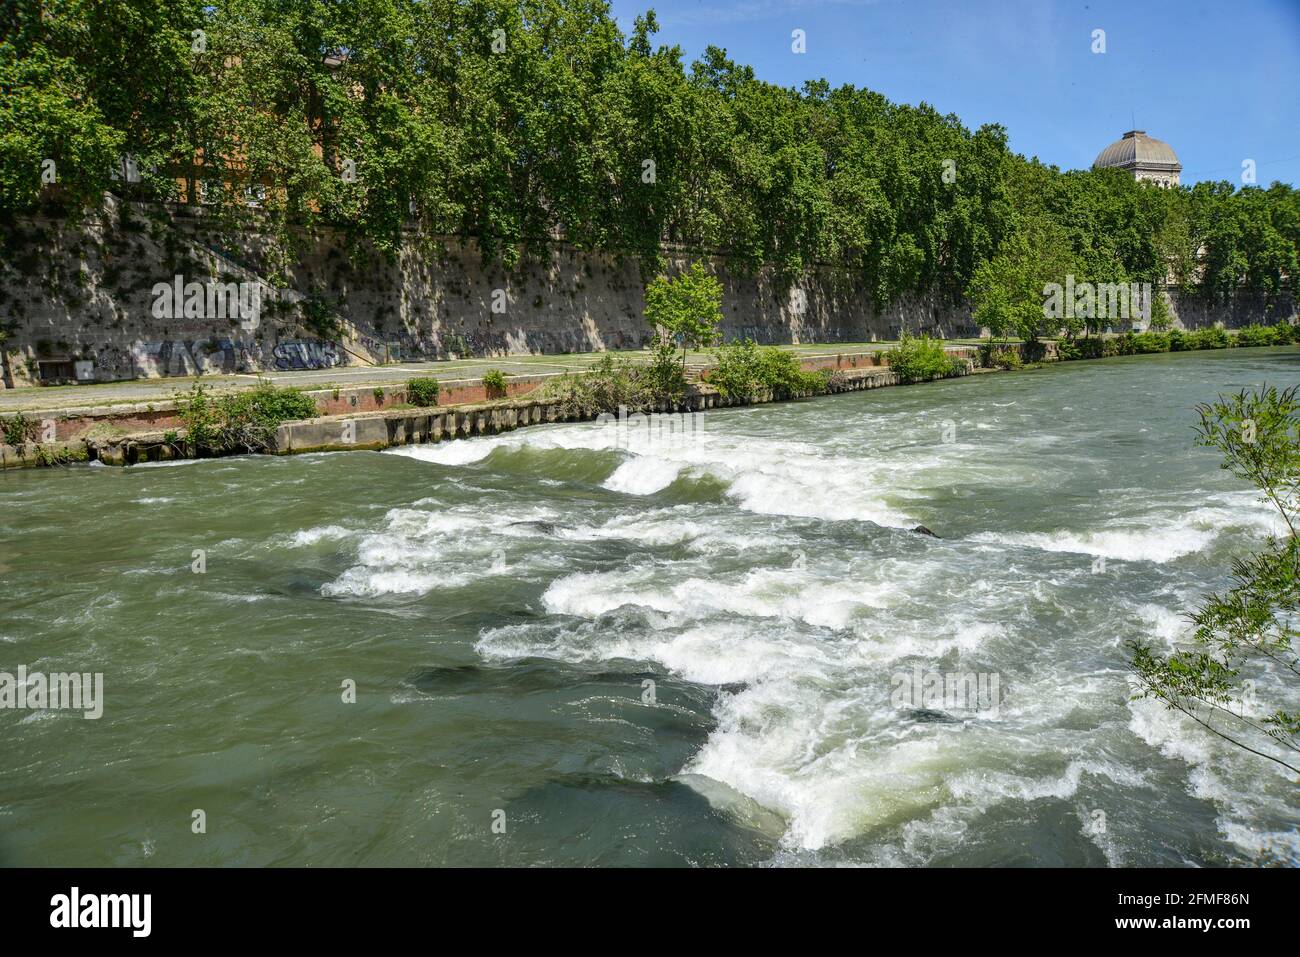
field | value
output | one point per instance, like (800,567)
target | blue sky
(1219,81)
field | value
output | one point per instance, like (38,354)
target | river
(682,652)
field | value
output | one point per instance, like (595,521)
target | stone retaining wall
(382,430)
(78,301)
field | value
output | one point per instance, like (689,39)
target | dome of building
(1142,156)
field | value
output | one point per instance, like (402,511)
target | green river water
(503,604)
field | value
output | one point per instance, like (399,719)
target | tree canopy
(514,122)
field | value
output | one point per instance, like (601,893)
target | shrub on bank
(923,359)
(422,392)
(744,368)
(18,430)
(611,383)
(1211,338)
(241,421)
(1175,340)
(664,377)
(494,382)
(1033,350)
(999,357)
(1089,347)
(1141,343)
(1256,335)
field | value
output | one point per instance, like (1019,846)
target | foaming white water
(1145,544)
(1218,769)
(812,734)
(1166,625)
(796,739)
(418,550)
(1160,535)
(643,475)
(777,593)
(177,463)
(678,525)
(323,533)
(803,651)
(460,452)
(778,477)
(828,792)
(593,436)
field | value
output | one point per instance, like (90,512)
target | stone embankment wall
(78,302)
(1191,312)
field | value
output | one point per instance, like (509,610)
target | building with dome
(1142,157)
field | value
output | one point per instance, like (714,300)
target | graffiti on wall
(179,357)
(300,354)
(398,347)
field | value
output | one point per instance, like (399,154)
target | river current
(580,644)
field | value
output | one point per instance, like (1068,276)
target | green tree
(1008,291)
(48,113)
(514,123)
(1239,676)
(686,309)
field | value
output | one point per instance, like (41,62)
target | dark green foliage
(1212,337)
(380,116)
(1181,340)
(239,421)
(1091,347)
(993,357)
(199,411)
(686,308)
(665,377)
(1175,340)
(920,360)
(494,382)
(18,430)
(1142,343)
(743,369)
(613,383)
(321,320)
(1255,335)
(422,391)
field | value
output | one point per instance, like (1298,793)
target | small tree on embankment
(1007,290)
(686,309)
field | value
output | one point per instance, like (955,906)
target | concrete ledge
(379,429)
